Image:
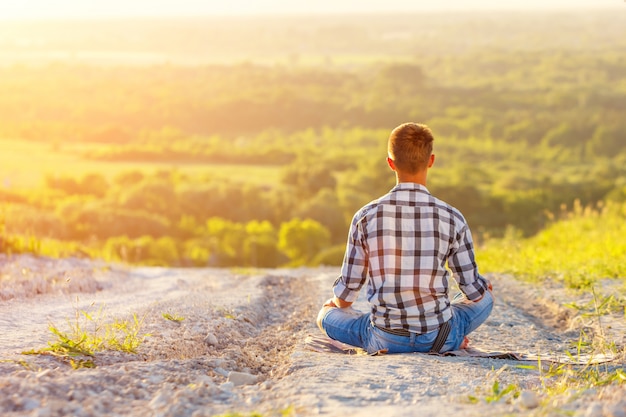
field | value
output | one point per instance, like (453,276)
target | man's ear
(391,164)
(431,160)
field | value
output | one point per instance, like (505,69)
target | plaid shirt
(400,244)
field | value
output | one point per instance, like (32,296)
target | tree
(301,240)
(308,178)
(226,241)
(260,245)
(606,141)
(324,208)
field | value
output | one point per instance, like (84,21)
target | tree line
(518,134)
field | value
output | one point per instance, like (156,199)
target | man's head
(410,148)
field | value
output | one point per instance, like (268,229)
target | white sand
(240,348)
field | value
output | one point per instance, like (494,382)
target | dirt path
(407,385)
(240,349)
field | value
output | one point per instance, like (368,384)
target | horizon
(74,9)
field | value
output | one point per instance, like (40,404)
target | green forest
(252,144)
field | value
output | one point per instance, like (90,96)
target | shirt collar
(410,186)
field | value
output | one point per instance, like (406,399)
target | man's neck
(417,178)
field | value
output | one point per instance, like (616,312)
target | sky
(41,9)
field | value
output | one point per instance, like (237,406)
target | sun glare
(46,9)
(43,9)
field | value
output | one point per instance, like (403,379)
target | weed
(23,363)
(227,312)
(124,335)
(599,306)
(82,363)
(175,318)
(561,383)
(495,393)
(560,379)
(89,334)
(498,394)
(574,379)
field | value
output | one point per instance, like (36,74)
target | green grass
(173,317)
(582,247)
(25,164)
(586,245)
(90,333)
(497,393)
(599,306)
(559,384)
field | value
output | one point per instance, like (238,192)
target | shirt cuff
(475,290)
(345,293)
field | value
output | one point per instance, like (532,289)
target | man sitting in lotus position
(399,245)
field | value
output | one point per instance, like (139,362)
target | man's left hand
(329,303)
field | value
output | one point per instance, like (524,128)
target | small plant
(124,335)
(564,382)
(573,380)
(90,334)
(496,393)
(227,312)
(175,318)
(23,363)
(82,363)
(599,306)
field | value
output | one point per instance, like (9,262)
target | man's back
(407,237)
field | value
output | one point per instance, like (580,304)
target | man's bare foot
(464,343)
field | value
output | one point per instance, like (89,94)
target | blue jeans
(354,328)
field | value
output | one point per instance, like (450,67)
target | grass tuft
(90,333)
(175,317)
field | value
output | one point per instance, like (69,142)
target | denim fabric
(354,328)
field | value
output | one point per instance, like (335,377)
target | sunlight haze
(42,9)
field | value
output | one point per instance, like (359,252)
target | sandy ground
(240,348)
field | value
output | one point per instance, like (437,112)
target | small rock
(75,395)
(529,399)
(43,373)
(227,386)
(160,400)
(594,410)
(43,412)
(155,379)
(30,404)
(206,380)
(210,339)
(616,410)
(241,378)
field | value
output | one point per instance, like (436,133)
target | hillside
(234,345)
